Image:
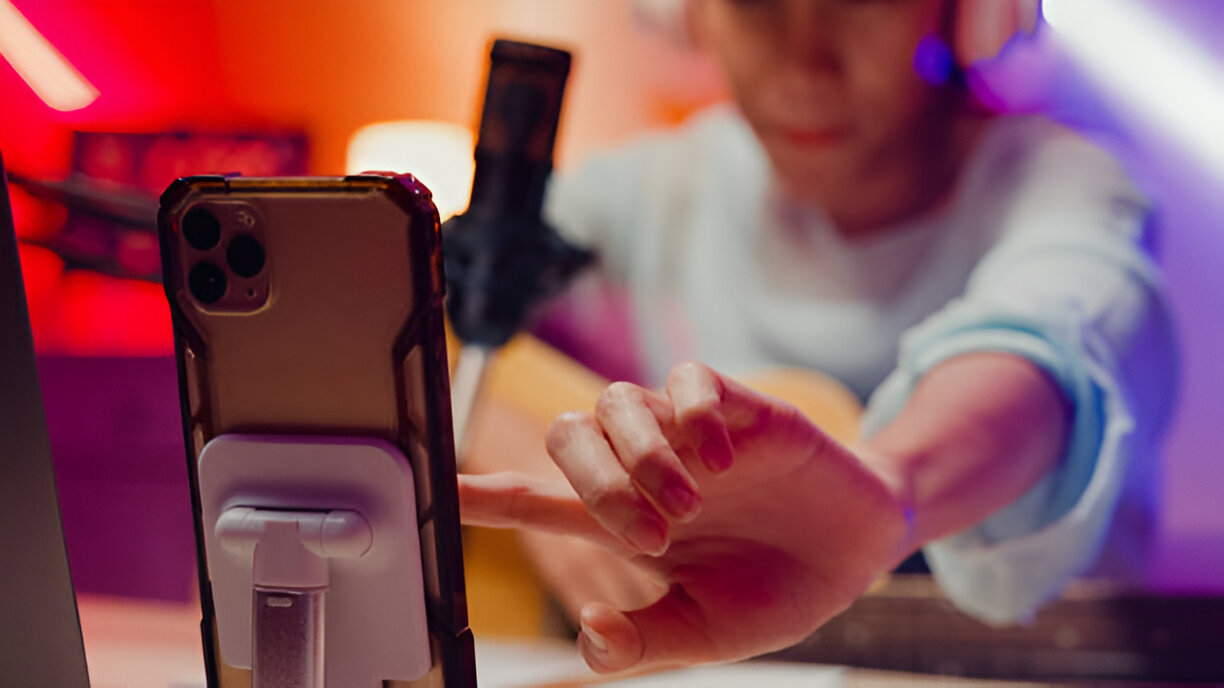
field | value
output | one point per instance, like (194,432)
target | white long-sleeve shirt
(1042,252)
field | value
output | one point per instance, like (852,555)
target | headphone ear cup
(983,27)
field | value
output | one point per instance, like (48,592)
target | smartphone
(313,306)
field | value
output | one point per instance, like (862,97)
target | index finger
(516,500)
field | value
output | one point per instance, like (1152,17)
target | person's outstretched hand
(759,526)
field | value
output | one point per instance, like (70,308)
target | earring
(935,62)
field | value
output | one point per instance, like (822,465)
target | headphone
(979,29)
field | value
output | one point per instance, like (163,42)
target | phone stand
(314,539)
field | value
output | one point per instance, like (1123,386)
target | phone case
(313,306)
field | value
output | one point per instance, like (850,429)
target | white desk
(140,644)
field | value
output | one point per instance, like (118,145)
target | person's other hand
(759,525)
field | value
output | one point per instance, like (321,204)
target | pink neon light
(46,71)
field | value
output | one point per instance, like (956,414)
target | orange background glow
(319,67)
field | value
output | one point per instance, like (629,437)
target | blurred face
(830,89)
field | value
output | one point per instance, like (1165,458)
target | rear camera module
(201,228)
(207,283)
(245,256)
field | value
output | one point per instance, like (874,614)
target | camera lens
(201,228)
(245,255)
(207,282)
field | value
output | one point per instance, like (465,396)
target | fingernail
(595,640)
(681,500)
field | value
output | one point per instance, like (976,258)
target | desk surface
(140,644)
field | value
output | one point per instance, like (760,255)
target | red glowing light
(97,315)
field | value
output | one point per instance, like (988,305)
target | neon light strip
(46,71)
(1146,62)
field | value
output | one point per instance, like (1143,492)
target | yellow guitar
(526,386)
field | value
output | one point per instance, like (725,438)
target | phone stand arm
(290,550)
(313,539)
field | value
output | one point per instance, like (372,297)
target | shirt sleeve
(1071,287)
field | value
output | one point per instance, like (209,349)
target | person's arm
(762,526)
(978,431)
(1069,287)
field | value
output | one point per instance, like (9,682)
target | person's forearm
(979,430)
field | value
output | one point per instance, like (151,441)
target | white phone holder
(313,539)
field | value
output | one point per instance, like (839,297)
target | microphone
(501,259)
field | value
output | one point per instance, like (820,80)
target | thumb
(669,633)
